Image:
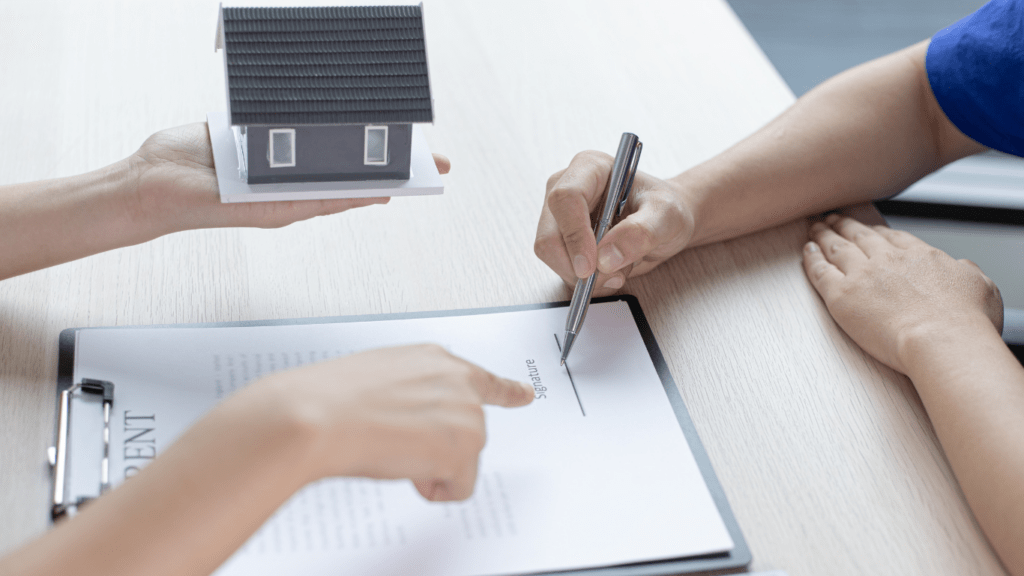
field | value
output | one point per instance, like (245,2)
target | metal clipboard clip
(58,455)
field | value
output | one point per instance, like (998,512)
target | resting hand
(177,188)
(658,223)
(412,412)
(885,287)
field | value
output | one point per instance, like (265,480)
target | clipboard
(736,558)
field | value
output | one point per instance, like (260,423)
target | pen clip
(634,161)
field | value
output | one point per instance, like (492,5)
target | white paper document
(595,472)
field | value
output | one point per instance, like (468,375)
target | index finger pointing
(502,391)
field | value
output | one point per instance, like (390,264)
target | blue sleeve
(976,70)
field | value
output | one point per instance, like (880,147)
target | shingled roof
(337,65)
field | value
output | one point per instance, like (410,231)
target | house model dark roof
(337,65)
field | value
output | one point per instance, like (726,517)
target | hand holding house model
(323,103)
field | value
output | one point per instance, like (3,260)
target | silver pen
(619,185)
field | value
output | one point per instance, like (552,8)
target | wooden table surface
(827,457)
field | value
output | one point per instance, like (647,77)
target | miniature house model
(324,94)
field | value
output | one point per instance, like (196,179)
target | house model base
(424,178)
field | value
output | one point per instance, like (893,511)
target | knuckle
(559,193)
(819,270)
(544,246)
(995,295)
(568,207)
(432,349)
(980,287)
(592,157)
(668,210)
(576,237)
(476,437)
(466,440)
(673,213)
(467,372)
(893,258)
(843,291)
(645,234)
(565,197)
(553,179)
(445,461)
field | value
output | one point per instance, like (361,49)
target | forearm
(865,134)
(973,390)
(192,507)
(55,221)
(168,185)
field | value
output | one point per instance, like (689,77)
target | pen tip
(562,363)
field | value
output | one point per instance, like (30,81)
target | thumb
(458,487)
(653,226)
(444,165)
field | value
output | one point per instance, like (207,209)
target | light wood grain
(827,457)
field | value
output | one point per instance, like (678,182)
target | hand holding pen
(620,183)
(657,222)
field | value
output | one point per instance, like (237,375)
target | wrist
(286,429)
(928,346)
(692,190)
(112,193)
(147,220)
(302,418)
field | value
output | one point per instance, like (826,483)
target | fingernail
(527,387)
(811,247)
(615,282)
(579,266)
(610,258)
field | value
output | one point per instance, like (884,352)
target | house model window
(281,149)
(375,147)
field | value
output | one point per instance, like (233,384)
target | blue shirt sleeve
(976,70)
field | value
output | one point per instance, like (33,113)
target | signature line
(559,344)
